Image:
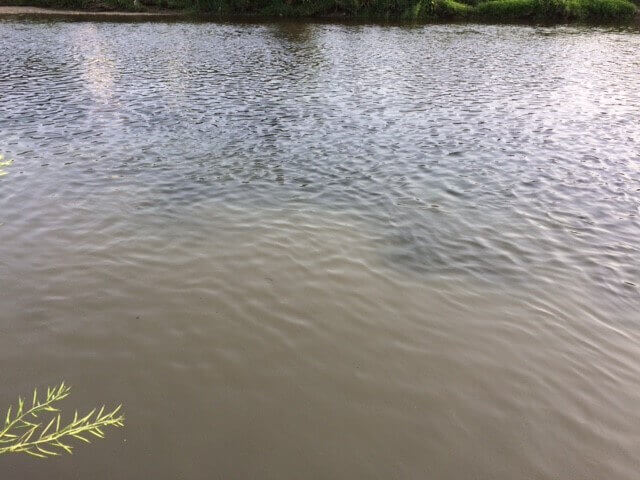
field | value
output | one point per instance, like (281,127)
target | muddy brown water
(325,251)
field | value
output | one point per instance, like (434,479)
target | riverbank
(534,11)
(38,12)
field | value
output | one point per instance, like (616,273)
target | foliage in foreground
(23,432)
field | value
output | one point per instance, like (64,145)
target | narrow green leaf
(44,431)
(39,455)
(67,448)
(47,452)
(80,437)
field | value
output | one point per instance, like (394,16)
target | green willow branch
(23,433)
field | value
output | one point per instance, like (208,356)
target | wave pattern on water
(327,251)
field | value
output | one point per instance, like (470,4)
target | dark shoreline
(168,15)
(81,15)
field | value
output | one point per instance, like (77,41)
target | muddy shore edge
(37,12)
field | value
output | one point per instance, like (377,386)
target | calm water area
(325,251)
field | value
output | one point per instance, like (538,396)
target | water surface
(325,251)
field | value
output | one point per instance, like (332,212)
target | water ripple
(329,251)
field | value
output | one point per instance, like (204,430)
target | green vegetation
(450,9)
(403,10)
(90,5)
(556,10)
(23,433)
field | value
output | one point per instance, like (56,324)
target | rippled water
(325,251)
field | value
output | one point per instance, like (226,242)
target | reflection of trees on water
(293,31)
(257,93)
(301,51)
(284,82)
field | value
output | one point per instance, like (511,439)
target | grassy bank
(556,11)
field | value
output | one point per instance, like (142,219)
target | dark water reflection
(325,251)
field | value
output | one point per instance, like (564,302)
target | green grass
(506,9)
(405,10)
(450,9)
(556,10)
(607,10)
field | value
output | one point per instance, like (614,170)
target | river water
(325,251)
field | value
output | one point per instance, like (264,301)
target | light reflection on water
(320,251)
